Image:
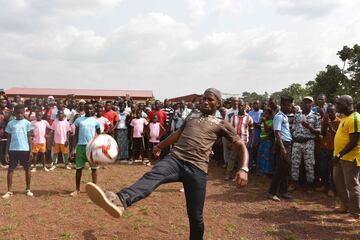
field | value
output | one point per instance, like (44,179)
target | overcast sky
(172,47)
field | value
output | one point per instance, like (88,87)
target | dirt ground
(230,213)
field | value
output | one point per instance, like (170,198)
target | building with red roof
(105,94)
(188,98)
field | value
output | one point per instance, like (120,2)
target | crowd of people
(313,145)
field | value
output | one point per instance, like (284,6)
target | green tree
(351,59)
(295,90)
(329,81)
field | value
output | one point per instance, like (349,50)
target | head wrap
(214,91)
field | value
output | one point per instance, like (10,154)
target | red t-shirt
(161,116)
(112,116)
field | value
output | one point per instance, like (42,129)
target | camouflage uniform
(304,145)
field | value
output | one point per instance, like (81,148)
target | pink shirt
(31,117)
(39,131)
(154,132)
(138,126)
(60,131)
(103,122)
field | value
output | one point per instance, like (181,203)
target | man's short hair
(284,99)
(19,107)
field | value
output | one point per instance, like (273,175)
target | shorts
(19,156)
(138,144)
(81,159)
(60,148)
(39,148)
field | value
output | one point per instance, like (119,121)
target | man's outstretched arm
(241,177)
(167,142)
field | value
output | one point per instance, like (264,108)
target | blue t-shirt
(281,123)
(18,129)
(87,129)
(256,115)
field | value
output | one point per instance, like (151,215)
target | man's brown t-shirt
(199,133)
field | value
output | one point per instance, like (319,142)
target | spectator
(306,129)
(347,159)
(279,183)
(329,126)
(18,148)
(122,133)
(265,154)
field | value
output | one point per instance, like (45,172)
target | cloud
(47,47)
(28,16)
(197,8)
(307,8)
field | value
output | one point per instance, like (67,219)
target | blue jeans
(170,170)
(326,169)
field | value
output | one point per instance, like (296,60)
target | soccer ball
(102,149)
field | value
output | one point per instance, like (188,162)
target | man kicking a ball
(187,163)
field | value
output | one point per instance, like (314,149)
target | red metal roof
(78,92)
(186,98)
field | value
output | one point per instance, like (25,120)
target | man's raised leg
(165,171)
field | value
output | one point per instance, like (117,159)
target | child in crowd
(18,148)
(265,152)
(329,126)
(61,129)
(86,129)
(154,135)
(105,124)
(138,136)
(39,142)
(122,133)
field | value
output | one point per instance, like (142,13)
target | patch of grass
(127,214)
(285,234)
(37,219)
(355,231)
(7,229)
(230,228)
(136,226)
(300,225)
(144,210)
(67,236)
(7,203)
(102,227)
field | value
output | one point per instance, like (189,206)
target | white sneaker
(68,167)
(7,195)
(33,170)
(3,166)
(29,193)
(46,169)
(75,193)
(52,168)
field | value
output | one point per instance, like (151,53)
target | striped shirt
(169,115)
(245,122)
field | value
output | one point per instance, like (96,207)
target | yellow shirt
(348,124)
